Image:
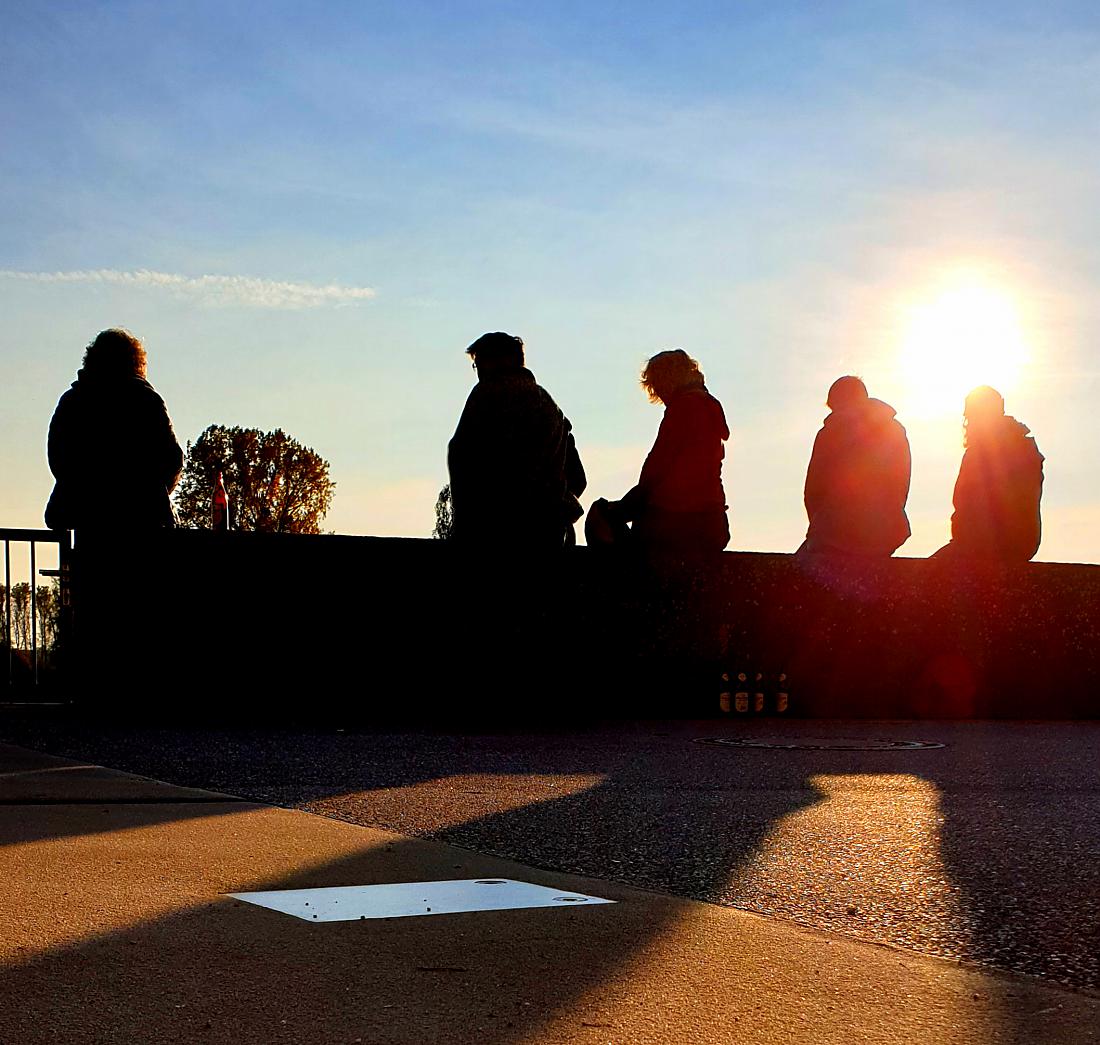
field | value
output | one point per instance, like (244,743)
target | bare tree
(49,609)
(21,615)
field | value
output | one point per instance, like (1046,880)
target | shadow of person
(717,824)
(1020,840)
(167,954)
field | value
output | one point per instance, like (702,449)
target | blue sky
(771,186)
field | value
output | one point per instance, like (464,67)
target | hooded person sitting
(857,481)
(999,486)
(514,469)
(111,446)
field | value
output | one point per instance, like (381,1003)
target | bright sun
(966,332)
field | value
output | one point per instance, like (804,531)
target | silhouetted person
(999,487)
(111,447)
(514,468)
(857,482)
(679,505)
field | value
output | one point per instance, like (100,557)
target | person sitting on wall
(111,447)
(515,472)
(857,481)
(999,486)
(678,505)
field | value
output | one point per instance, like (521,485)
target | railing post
(65,636)
(7,609)
(64,541)
(34,612)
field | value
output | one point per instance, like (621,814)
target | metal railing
(63,540)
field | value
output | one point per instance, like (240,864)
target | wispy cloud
(209,290)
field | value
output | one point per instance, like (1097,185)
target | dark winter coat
(514,468)
(113,454)
(997,494)
(679,498)
(857,482)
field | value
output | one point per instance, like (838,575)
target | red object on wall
(219,509)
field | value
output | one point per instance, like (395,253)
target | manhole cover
(822,743)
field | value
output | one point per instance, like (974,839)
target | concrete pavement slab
(120,929)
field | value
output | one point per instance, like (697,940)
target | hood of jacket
(869,413)
(1004,431)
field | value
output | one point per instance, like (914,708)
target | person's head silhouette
(667,373)
(496,353)
(115,353)
(846,393)
(983,402)
(983,409)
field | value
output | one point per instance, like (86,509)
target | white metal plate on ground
(411,899)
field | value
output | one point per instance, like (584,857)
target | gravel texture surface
(986,849)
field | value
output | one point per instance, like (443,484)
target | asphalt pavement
(125,923)
(981,847)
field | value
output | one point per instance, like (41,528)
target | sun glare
(965,332)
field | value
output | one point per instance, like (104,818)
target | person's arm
(814,492)
(464,452)
(171,453)
(630,505)
(963,499)
(903,475)
(575,480)
(661,459)
(65,440)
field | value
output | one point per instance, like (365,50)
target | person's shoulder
(689,401)
(139,388)
(529,387)
(898,430)
(1029,448)
(71,396)
(141,399)
(877,412)
(544,394)
(1015,432)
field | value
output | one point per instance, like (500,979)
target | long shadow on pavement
(682,822)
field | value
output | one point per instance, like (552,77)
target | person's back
(857,482)
(111,446)
(998,492)
(515,473)
(1000,485)
(679,504)
(683,471)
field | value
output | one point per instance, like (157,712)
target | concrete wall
(364,626)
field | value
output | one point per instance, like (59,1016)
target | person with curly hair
(111,447)
(678,505)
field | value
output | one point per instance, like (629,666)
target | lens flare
(966,332)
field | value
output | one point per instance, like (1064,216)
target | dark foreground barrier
(375,627)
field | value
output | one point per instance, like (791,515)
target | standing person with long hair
(111,446)
(679,505)
(999,487)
